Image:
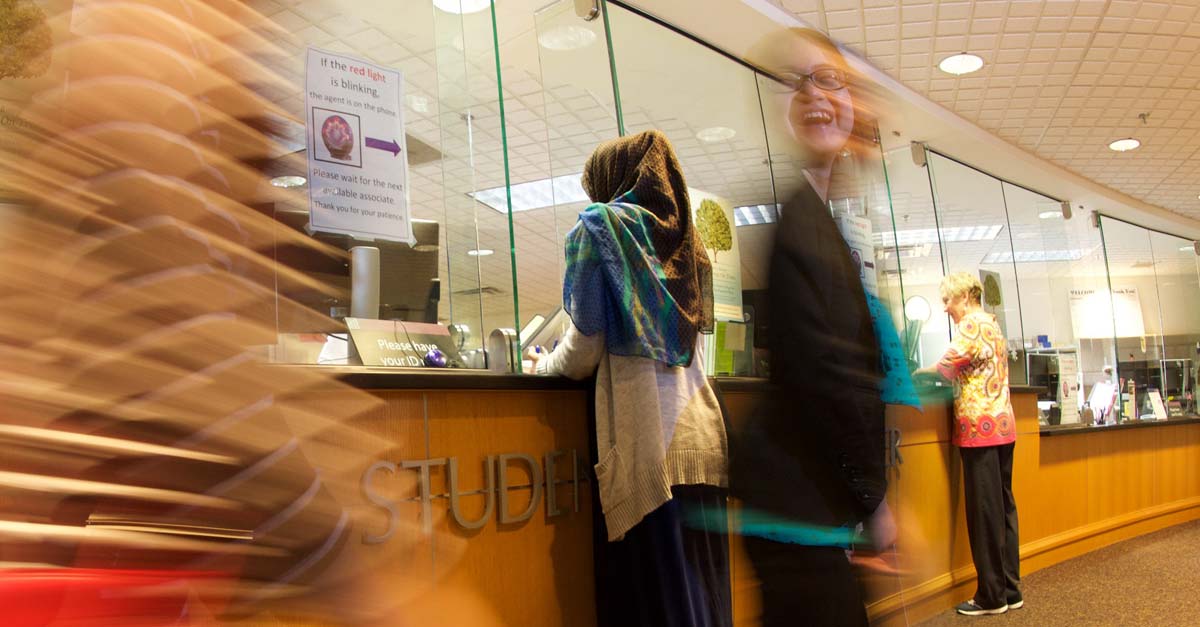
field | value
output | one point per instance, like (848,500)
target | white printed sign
(1092,313)
(357,158)
(1068,387)
(1156,403)
(857,233)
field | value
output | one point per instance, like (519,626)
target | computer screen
(409,286)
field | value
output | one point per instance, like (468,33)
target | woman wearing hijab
(638,288)
(808,466)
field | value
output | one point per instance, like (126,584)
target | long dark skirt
(667,572)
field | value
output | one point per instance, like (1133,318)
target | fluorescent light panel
(911,237)
(560,190)
(750,215)
(1036,256)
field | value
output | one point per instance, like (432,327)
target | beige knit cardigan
(656,426)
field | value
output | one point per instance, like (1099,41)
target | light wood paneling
(1075,493)
(536,572)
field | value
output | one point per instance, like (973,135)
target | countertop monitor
(409,286)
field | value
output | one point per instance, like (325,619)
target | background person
(985,434)
(638,288)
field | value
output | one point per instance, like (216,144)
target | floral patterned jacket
(977,361)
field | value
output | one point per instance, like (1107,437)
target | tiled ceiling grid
(551,129)
(1061,78)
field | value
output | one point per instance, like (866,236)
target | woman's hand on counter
(532,356)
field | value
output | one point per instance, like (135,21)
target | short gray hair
(962,284)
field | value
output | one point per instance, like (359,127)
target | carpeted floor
(1151,580)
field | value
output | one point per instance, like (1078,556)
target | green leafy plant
(714,227)
(25,40)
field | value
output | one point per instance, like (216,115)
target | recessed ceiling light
(1123,145)
(420,104)
(960,64)
(1050,215)
(288,181)
(1186,249)
(481,252)
(715,134)
(462,6)
(567,37)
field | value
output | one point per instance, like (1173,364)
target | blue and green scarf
(615,283)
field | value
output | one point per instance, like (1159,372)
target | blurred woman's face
(956,306)
(820,119)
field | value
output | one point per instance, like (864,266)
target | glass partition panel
(973,225)
(1179,310)
(449,136)
(912,257)
(559,106)
(708,106)
(1059,265)
(1136,316)
(478,251)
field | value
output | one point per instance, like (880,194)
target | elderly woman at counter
(638,288)
(985,434)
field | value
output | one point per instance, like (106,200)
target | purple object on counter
(435,359)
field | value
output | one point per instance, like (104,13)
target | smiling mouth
(816,117)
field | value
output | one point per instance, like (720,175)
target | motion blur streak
(154,469)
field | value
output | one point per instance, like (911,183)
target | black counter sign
(395,343)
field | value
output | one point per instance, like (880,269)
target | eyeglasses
(828,79)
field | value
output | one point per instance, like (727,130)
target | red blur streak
(38,597)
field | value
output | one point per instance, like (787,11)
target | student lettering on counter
(638,288)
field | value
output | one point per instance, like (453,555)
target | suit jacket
(813,451)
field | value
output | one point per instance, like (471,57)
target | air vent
(485,291)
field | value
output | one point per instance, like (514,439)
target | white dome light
(288,181)
(1124,145)
(567,37)
(715,134)
(960,64)
(917,309)
(462,7)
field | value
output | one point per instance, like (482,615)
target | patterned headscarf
(635,266)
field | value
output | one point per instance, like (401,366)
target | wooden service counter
(1077,490)
(500,538)
(465,487)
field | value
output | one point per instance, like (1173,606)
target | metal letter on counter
(535,480)
(489,494)
(495,490)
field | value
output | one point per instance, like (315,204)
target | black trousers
(802,585)
(992,523)
(667,571)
